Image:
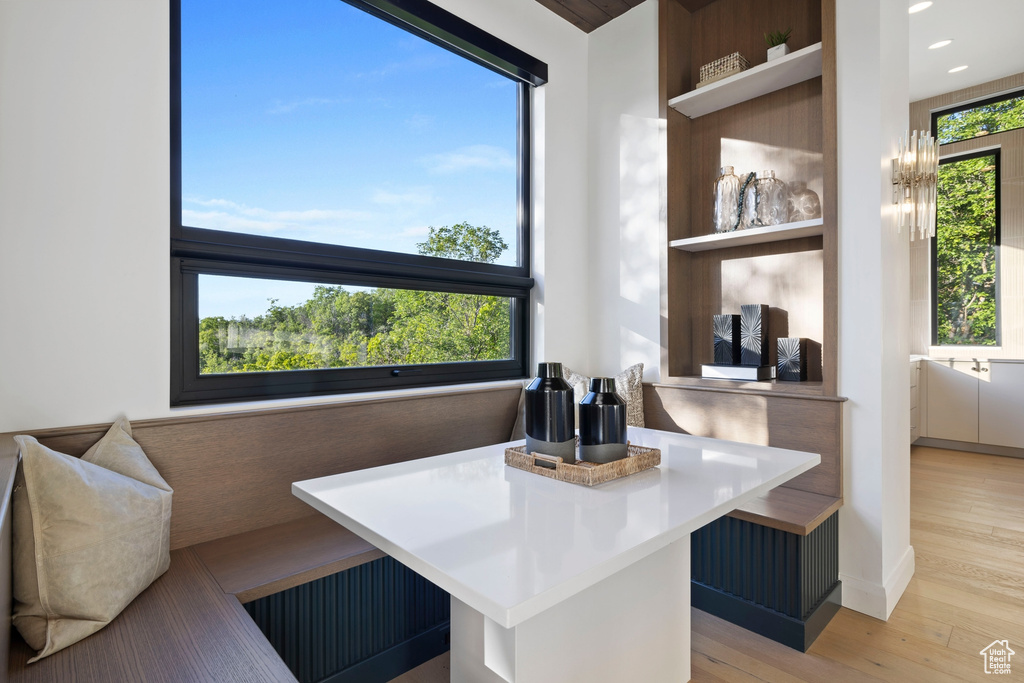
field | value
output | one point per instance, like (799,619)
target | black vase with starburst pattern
(792,365)
(754,334)
(726,330)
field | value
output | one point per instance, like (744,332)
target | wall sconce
(914,183)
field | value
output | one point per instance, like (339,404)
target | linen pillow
(628,386)
(90,534)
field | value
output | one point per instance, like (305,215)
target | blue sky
(310,119)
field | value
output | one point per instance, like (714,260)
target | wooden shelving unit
(779,116)
(794,68)
(741,238)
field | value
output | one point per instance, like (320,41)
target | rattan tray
(585,473)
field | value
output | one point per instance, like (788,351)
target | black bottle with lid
(550,414)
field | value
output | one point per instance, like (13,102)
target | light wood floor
(967,529)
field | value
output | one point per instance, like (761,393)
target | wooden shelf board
(775,75)
(790,510)
(739,238)
(802,390)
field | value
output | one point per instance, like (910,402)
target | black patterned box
(792,366)
(754,335)
(726,330)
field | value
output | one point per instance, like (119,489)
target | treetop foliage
(337,328)
(978,121)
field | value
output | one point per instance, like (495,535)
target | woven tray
(581,472)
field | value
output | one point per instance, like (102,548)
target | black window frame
(966,106)
(200,251)
(934,249)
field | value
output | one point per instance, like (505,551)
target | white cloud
(288,107)
(419,122)
(231,216)
(417,196)
(474,157)
(419,231)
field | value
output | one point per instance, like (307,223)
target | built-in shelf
(777,74)
(739,238)
(802,390)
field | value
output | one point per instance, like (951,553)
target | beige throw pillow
(628,385)
(90,534)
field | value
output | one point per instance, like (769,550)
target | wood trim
(265,561)
(790,510)
(830,200)
(583,18)
(769,389)
(101,428)
(181,628)
(8,468)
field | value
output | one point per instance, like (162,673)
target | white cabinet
(1001,404)
(953,400)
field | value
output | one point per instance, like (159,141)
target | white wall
(84,207)
(626,230)
(876,560)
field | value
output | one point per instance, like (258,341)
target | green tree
(984,120)
(464,242)
(340,328)
(966,252)
(440,327)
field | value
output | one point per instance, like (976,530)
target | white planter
(778,51)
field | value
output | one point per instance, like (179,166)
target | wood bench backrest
(232,472)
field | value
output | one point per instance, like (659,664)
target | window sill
(337,399)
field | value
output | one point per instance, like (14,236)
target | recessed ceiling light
(941,43)
(914,9)
(955,69)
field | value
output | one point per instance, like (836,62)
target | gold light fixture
(914,183)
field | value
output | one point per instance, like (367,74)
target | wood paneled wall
(1010,271)
(812,425)
(233,472)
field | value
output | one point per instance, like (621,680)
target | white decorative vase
(778,51)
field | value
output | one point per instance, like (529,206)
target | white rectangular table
(551,581)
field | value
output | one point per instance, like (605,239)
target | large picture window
(350,199)
(966,249)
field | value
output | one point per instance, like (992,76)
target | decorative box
(754,335)
(726,329)
(792,365)
(722,68)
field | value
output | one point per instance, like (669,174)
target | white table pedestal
(632,626)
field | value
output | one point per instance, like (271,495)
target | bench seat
(790,510)
(182,629)
(290,555)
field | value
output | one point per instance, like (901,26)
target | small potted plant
(777,43)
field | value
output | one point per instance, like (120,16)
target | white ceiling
(987,37)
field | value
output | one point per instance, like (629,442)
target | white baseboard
(874,599)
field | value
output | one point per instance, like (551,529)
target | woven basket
(723,68)
(586,473)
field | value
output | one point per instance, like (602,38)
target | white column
(876,560)
(632,626)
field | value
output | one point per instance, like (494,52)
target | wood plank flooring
(967,529)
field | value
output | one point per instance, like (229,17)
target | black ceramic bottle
(550,418)
(602,423)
